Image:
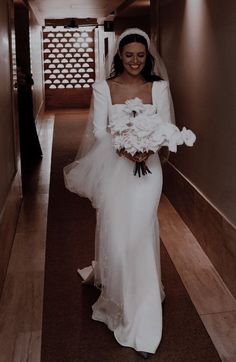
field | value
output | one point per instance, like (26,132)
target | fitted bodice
(122,110)
(120,106)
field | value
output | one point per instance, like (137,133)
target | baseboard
(8,222)
(215,234)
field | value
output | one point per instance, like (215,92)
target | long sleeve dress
(127,257)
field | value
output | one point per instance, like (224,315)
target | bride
(127,259)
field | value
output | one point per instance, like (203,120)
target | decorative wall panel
(69,65)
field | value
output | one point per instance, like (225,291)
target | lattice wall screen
(68,58)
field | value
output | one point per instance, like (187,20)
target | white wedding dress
(127,258)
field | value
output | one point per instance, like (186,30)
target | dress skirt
(127,246)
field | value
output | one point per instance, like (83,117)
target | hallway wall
(10,190)
(10,176)
(7,159)
(36,62)
(200,55)
(197,42)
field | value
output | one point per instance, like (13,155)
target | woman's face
(133,56)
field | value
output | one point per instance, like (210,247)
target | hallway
(22,300)
(51,54)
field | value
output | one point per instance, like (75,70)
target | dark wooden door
(30,149)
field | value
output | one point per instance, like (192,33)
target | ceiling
(60,9)
(135,8)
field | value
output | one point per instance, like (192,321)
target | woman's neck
(129,79)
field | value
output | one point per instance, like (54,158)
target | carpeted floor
(69,333)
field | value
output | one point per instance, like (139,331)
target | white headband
(132,31)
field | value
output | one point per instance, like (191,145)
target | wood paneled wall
(10,185)
(36,38)
(216,235)
(196,40)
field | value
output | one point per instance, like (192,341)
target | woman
(127,260)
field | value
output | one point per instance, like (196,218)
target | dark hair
(147,72)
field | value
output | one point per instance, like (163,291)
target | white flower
(138,128)
(118,142)
(188,137)
(150,110)
(134,106)
(144,125)
(175,140)
(119,123)
(157,139)
(132,147)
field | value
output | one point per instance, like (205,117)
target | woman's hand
(124,153)
(142,156)
(137,157)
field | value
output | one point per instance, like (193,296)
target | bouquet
(138,128)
